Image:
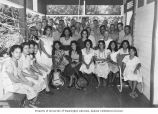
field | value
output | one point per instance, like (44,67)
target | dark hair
(45,29)
(124,41)
(102,26)
(54,43)
(32,42)
(95,20)
(135,50)
(101,41)
(85,42)
(109,47)
(83,31)
(12,49)
(63,33)
(128,27)
(36,44)
(73,26)
(77,47)
(25,44)
(120,24)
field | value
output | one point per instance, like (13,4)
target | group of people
(75,51)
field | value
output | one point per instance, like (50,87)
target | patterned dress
(102,68)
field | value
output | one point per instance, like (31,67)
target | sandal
(132,95)
(135,94)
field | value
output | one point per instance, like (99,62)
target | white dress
(87,58)
(102,68)
(24,64)
(129,69)
(9,86)
(38,60)
(48,43)
(113,68)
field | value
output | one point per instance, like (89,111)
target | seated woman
(87,66)
(58,57)
(132,70)
(13,79)
(101,68)
(66,38)
(113,65)
(28,69)
(123,51)
(40,68)
(59,63)
(75,58)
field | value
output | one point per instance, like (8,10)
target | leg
(98,79)
(130,84)
(71,81)
(134,87)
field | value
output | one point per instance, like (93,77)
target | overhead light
(6,2)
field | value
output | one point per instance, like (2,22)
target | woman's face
(101,45)
(132,52)
(35,49)
(67,33)
(16,53)
(113,45)
(120,27)
(127,30)
(31,50)
(57,46)
(73,46)
(125,45)
(112,27)
(48,31)
(73,29)
(26,49)
(106,34)
(84,34)
(88,45)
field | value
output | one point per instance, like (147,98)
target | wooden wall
(143,40)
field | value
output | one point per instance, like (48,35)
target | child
(55,79)
(131,70)
(101,68)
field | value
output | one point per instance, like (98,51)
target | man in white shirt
(91,37)
(57,33)
(128,35)
(121,32)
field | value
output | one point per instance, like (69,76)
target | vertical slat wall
(155,100)
(143,40)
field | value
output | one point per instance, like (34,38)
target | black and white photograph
(78,55)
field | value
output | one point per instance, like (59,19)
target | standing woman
(75,58)
(87,66)
(13,79)
(46,43)
(66,38)
(101,68)
(84,37)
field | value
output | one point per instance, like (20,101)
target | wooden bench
(13,100)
